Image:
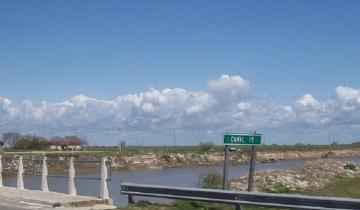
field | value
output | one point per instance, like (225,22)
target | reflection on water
(186,177)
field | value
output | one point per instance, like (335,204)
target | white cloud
(7,111)
(154,113)
(229,84)
(346,94)
(307,100)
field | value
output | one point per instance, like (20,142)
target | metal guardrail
(240,198)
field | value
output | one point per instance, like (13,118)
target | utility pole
(120,141)
(174,137)
(67,143)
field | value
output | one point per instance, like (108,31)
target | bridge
(18,197)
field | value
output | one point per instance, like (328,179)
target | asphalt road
(10,203)
(7,203)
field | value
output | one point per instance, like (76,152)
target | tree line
(14,140)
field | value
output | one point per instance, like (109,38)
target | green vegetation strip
(340,187)
(201,148)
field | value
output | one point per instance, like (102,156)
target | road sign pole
(252,167)
(226,167)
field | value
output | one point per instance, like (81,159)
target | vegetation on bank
(17,142)
(339,187)
(100,151)
(216,148)
(210,147)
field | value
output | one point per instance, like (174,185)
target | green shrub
(212,180)
(351,166)
(207,146)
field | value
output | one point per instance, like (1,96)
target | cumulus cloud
(229,85)
(307,100)
(153,114)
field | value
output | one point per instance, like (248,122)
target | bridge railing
(237,198)
(104,177)
(34,161)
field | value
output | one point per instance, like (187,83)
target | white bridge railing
(104,190)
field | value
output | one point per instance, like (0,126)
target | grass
(188,205)
(217,148)
(340,187)
(192,149)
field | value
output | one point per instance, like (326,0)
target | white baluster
(44,174)
(71,186)
(104,191)
(20,178)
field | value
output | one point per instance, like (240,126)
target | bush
(207,146)
(31,143)
(351,166)
(212,180)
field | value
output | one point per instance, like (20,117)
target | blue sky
(53,51)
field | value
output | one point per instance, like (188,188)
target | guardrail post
(44,174)
(1,169)
(71,186)
(20,178)
(104,191)
(130,199)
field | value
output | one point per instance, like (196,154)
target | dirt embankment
(169,160)
(313,175)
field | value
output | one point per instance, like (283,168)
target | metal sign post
(226,167)
(252,167)
(252,139)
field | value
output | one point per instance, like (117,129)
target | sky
(144,69)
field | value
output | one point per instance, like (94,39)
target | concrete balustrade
(44,174)
(71,185)
(104,191)
(20,177)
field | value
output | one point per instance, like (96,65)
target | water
(186,177)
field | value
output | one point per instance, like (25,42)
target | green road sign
(242,139)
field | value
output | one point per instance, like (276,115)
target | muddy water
(186,177)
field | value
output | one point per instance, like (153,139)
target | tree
(11,138)
(31,142)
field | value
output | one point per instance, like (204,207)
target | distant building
(66,143)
